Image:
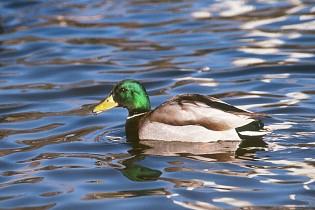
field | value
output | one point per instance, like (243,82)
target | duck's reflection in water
(220,150)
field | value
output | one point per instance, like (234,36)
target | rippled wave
(60,58)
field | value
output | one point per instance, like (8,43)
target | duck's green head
(129,94)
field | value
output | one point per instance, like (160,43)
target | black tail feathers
(253,126)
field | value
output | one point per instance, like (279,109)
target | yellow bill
(107,104)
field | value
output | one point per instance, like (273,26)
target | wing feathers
(200,110)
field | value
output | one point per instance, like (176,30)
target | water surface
(58,59)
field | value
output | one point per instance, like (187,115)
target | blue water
(58,59)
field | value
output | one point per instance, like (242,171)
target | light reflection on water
(58,59)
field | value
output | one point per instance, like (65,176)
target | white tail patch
(254,133)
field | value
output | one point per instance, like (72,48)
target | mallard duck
(186,117)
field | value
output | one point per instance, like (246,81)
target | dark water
(59,58)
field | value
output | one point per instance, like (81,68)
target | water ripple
(58,59)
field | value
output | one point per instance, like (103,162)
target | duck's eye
(122,90)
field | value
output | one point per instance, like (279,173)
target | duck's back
(195,118)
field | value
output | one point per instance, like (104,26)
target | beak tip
(95,112)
